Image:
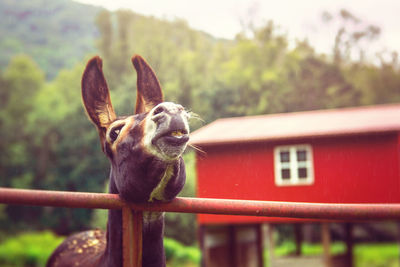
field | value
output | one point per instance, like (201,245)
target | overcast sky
(300,19)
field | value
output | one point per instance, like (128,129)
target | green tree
(49,143)
(104,25)
(352,36)
(318,84)
(67,148)
(179,55)
(21,81)
(371,82)
(43,28)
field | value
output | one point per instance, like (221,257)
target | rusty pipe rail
(132,214)
(327,211)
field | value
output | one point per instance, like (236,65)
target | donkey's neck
(153,228)
(113,252)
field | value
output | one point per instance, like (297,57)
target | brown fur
(88,244)
(96,97)
(146,81)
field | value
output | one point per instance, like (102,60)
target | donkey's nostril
(158,110)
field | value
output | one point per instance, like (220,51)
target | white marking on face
(149,134)
(126,125)
(158,122)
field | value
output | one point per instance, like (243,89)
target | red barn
(348,155)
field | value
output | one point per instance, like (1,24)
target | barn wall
(357,169)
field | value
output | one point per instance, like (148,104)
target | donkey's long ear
(96,97)
(149,92)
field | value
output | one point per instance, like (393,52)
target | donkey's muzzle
(176,141)
(171,130)
(174,132)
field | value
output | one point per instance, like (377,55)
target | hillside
(56,33)
(59,33)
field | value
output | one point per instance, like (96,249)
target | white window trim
(293,165)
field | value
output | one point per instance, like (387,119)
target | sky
(298,19)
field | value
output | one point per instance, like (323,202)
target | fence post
(326,244)
(132,222)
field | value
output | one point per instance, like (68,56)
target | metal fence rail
(132,213)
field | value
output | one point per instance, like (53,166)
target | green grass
(33,249)
(28,249)
(377,255)
(288,248)
(365,255)
(180,255)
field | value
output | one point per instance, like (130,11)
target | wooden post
(298,238)
(260,244)
(398,238)
(349,243)
(132,223)
(326,243)
(270,244)
(201,232)
(232,244)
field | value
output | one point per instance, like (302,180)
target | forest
(47,142)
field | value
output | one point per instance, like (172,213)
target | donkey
(145,152)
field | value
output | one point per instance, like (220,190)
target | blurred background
(216,58)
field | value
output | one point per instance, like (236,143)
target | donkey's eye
(115,132)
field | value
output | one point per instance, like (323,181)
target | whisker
(195,116)
(196,148)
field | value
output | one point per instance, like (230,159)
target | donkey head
(144,149)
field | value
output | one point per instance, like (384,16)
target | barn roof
(345,121)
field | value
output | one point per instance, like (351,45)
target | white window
(293,165)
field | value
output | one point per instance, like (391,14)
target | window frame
(293,165)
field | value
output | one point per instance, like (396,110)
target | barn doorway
(232,245)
